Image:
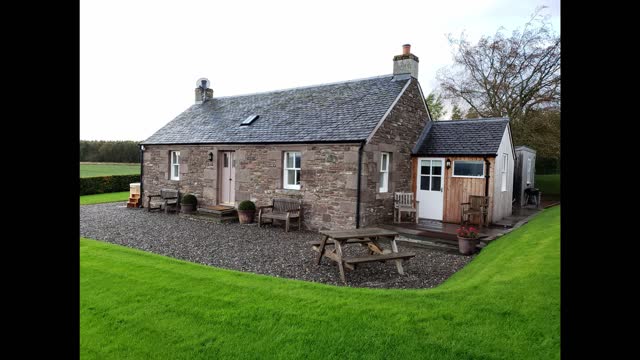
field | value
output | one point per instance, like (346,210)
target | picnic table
(368,237)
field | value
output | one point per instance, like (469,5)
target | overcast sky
(139,59)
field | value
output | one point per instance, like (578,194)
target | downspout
(360,150)
(487,176)
(141,176)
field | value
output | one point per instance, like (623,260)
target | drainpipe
(360,150)
(487,176)
(141,176)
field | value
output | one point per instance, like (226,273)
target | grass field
(549,185)
(104,198)
(91,170)
(505,304)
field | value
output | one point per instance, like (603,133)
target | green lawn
(91,170)
(549,185)
(104,198)
(505,304)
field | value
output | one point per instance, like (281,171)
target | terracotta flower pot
(246,216)
(467,246)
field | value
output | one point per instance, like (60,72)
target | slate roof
(346,111)
(461,137)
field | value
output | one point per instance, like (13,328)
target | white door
(430,188)
(227,178)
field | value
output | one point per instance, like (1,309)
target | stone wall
(328,177)
(397,135)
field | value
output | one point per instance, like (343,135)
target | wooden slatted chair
(283,209)
(477,205)
(404,202)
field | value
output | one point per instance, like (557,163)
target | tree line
(515,76)
(109,151)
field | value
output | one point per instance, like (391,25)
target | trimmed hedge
(107,184)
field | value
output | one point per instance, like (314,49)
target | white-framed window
(505,164)
(291,167)
(175,165)
(528,171)
(468,168)
(384,172)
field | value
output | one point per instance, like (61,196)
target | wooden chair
(477,205)
(404,202)
(168,200)
(281,209)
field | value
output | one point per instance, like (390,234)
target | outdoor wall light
(210,156)
(448,163)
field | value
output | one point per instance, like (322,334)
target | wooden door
(430,187)
(227,178)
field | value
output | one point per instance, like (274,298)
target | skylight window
(249,120)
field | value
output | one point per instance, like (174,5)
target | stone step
(218,210)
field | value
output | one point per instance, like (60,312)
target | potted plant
(467,239)
(246,211)
(188,204)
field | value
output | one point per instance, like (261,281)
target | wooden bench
(283,209)
(168,198)
(383,257)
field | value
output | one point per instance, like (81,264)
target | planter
(467,246)
(187,208)
(246,216)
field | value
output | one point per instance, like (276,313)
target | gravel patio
(268,251)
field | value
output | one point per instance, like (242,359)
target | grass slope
(104,198)
(549,185)
(91,170)
(503,305)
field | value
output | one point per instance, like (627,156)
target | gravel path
(268,251)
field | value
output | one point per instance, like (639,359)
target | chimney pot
(406,49)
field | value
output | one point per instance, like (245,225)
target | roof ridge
(473,120)
(305,87)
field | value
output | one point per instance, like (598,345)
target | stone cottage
(342,148)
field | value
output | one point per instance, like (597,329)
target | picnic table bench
(368,237)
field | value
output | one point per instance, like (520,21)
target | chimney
(407,63)
(203,93)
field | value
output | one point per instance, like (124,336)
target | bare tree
(506,76)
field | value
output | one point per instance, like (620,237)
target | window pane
(175,171)
(435,183)
(289,157)
(384,160)
(226,160)
(437,167)
(426,170)
(468,168)
(424,182)
(381,183)
(297,155)
(291,177)
(173,157)
(297,177)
